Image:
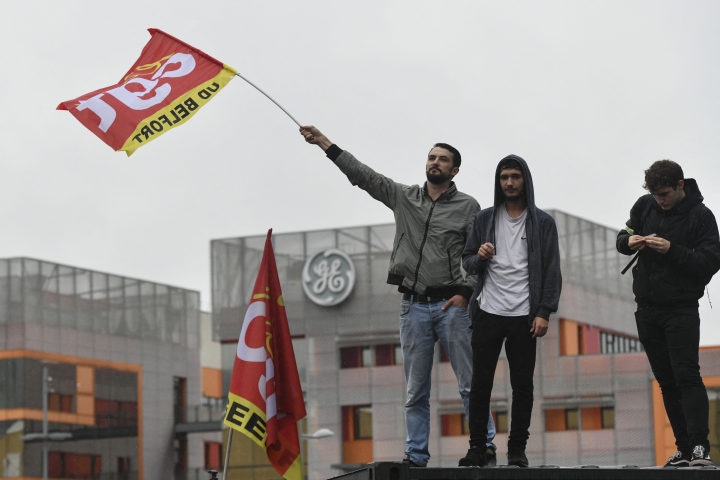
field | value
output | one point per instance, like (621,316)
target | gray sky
(589,93)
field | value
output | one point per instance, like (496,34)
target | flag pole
(271,99)
(227,454)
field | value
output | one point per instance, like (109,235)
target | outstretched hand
(314,136)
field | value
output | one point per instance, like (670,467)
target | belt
(421,298)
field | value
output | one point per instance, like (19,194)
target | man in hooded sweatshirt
(432,223)
(675,239)
(513,248)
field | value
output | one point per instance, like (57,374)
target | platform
(400,471)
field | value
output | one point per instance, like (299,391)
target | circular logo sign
(328,277)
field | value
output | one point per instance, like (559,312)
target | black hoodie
(543,251)
(677,278)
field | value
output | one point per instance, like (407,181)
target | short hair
(510,163)
(457,159)
(663,173)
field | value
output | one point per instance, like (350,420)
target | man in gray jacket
(433,222)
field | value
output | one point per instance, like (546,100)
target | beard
(436,177)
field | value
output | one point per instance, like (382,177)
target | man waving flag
(265,400)
(168,84)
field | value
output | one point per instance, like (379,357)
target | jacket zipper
(392,259)
(422,245)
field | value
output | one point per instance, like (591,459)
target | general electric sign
(328,277)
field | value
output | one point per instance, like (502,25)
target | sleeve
(632,227)
(552,276)
(470,281)
(378,186)
(470,260)
(704,259)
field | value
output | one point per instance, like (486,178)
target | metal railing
(199,414)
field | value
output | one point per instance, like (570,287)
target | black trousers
(671,338)
(489,332)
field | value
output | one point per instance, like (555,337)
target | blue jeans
(421,325)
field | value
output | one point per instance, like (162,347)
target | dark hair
(661,174)
(510,163)
(457,159)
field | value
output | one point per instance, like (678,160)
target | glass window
(383,355)
(350,357)
(398,354)
(608,417)
(572,419)
(367,356)
(362,419)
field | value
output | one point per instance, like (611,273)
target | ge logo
(328,277)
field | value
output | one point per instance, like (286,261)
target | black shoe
(680,459)
(700,457)
(517,458)
(474,458)
(412,464)
(490,457)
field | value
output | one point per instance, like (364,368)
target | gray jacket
(543,250)
(429,235)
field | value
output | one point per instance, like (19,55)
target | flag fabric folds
(168,84)
(265,400)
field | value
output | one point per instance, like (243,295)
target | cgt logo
(134,93)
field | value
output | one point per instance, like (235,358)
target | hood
(692,197)
(529,189)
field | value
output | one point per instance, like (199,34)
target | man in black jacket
(678,251)
(513,248)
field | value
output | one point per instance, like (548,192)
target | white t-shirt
(506,286)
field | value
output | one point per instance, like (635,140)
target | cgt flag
(265,400)
(168,84)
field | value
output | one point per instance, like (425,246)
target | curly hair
(661,174)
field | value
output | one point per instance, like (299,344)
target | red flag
(168,84)
(265,400)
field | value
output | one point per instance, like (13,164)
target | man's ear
(681,184)
(455,171)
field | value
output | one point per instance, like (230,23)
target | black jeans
(489,331)
(671,338)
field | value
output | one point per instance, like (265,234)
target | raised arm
(379,187)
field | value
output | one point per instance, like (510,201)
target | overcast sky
(589,93)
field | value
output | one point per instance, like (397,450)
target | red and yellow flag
(168,84)
(265,400)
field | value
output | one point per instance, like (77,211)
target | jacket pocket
(449,257)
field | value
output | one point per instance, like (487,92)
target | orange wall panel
(85,378)
(212,382)
(358,451)
(85,404)
(591,418)
(568,337)
(555,420)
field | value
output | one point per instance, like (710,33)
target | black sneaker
(517,458)
(474,458)
(412,464)
(700,457)
(490,457)
(680,459)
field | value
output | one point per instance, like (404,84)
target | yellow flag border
(173,116)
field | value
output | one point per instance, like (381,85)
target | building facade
(124,374)
(595,398)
